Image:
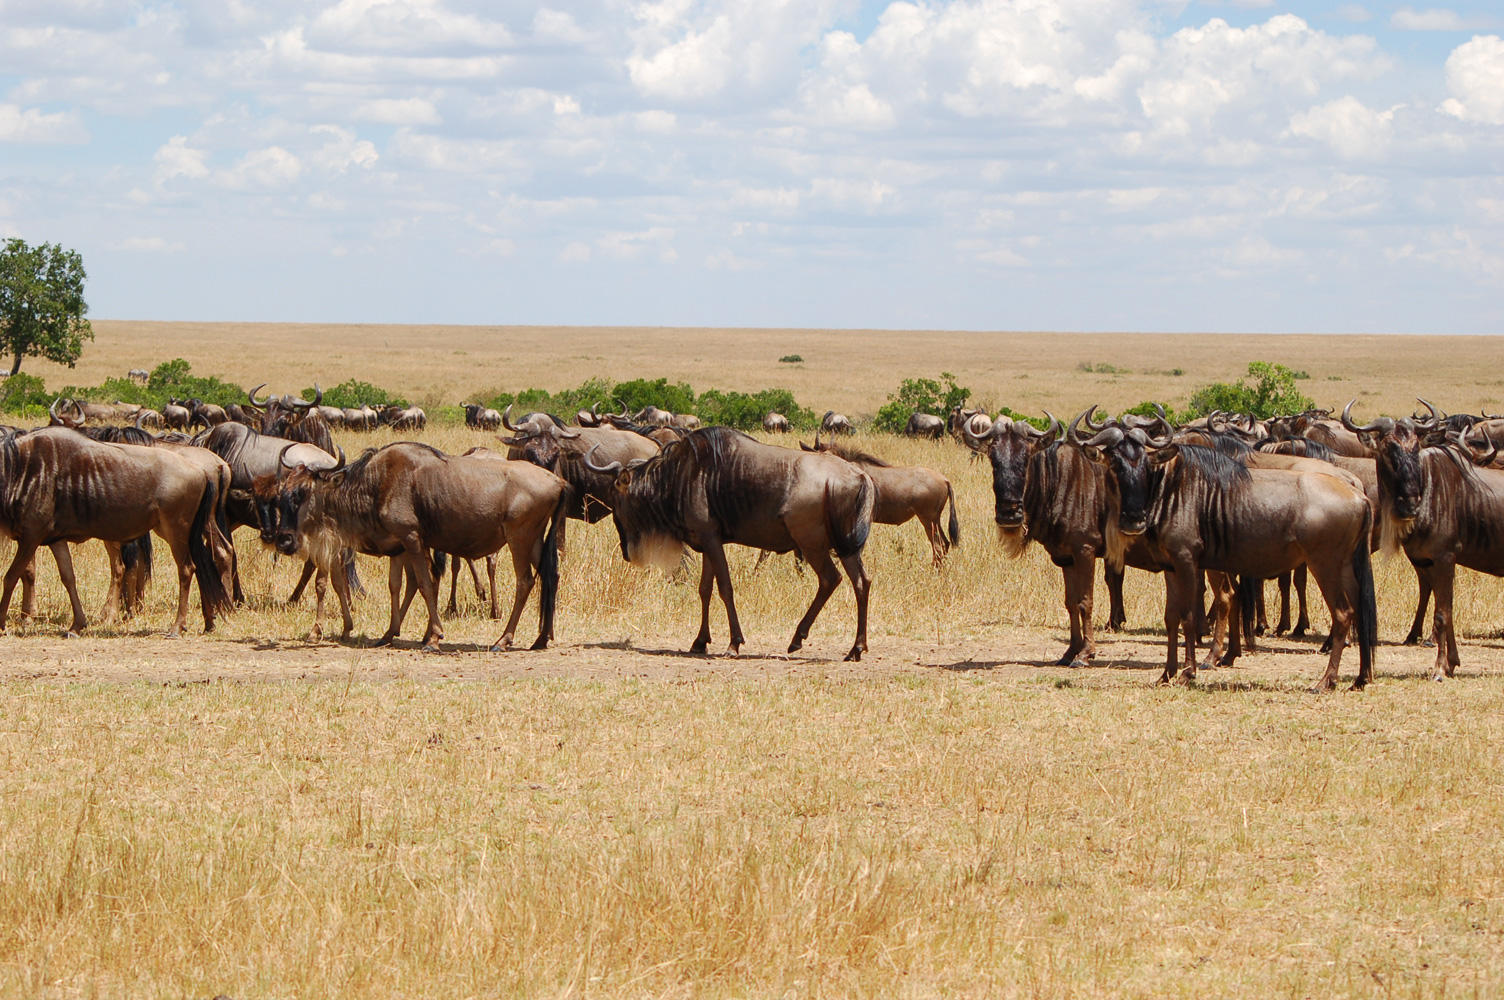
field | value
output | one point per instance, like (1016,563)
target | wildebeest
(176,416)
(836,423)
(653,415)
(59,486)
(1439,507)
(719,486)
(403,418)
(206,415)
(560,450)
(1196,509)
(904,492)
(925,425)
(685,421)
(140,376)
(480,417)
(405,500)
(775,423)
(588,418)
(295,419)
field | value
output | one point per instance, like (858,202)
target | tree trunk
(17,366)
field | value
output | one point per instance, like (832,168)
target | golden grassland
(952,816)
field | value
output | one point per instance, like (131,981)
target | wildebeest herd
(1216,506)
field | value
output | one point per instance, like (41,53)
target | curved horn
(973,441)
(1429,423)
(1055,429)
(318,397)
(609,470)
(1159,441)
(1094,427)
(1074,433)
(568,435)
(282,457)
(1493,449)
(137,422)
(1106,437)
(1381,424)
(259,404)
(341,463)
(52,410)
(506,420)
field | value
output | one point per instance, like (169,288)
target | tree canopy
(42,303)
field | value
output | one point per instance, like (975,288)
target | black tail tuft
(955,523)
(211,588)
(1367,609)
(548,573)
(1248,604)
(848,519)
(137,552)
(352,575)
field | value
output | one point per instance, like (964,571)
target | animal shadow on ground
(684,654)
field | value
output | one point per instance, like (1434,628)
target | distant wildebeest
(775,423)
(59,487)
(404,418)
(653,415)
(405,500)
(140,376)
(685,421)
(718,486)
(480,417)
(1197,509)
(176,415)
(904,492)
(836,423)
(925,425)
(590,417)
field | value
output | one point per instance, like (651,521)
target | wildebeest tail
(137,552)
(955,522)
(1367,609)
(352,575)
(548,571)
(1248,603)
(440,563)
(848,518)
(211,587)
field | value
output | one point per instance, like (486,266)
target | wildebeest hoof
(70,634)
(385,640)
(1299,632)
(1358,685)
(796,645)
(1079,662)
(734,650)
(539,643)
(855,655)
(700,648)
(430,647)
(1439,677)
(1261,629)
(1065,660)
(1185,679)
(1428,643)
(1321,689)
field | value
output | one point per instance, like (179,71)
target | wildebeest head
(285,506)
(1130,456)
(647,505)
(1396,447)
(1008,445)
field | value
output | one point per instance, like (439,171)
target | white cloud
(30,125)
(150,244)
(657,240)
(1433,19)
(178,159)
(263,169)
(1475,76)
(397,111)
(1348,126)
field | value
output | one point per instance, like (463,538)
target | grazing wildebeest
(1196,509)
(140,376)
(775,423)
(407,499)
(205,415)
(925,425)
(719,486)
(399,418)
(1440,507)
(176,416)
(480,417)
(58,486)
(836,423)
(685,421)
(904,492)
(652,415)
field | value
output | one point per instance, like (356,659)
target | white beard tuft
(1117,545)
(655,550)
(1014,540)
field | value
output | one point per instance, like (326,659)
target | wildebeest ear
(624,479)
(1094,454)
(1160,456)
(805,447)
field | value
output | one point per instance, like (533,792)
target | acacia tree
(42,303)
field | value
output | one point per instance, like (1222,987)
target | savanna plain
(256,814)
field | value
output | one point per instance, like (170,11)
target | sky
(1250,166)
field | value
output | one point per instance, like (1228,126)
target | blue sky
(975,164)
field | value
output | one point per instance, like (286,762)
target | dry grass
(758,828)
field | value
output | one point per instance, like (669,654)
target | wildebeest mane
(1063,494)
(120,435)
(854,455)
(1211,483)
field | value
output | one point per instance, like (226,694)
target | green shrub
(25,394)
(920,395)
(175,378)
(353,393)
(790,359)
(638,393)
(1039,422)
(1272,394)
(744,410)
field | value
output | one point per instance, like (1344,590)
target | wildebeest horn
(506,420)
(1493,449)
(52,410)
(1094,427)
(609,470)
(282,457)
(341,463)
(1383,424)
(1055,429)
(1428,423)
(318,397)
(1107,437)
(568,435)
(1075,429)
(973,441)
(595,413)
(261,404)
(1160,441)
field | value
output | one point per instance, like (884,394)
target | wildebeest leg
(1284,605)
(938,545)
(1175,604)
(175,535)
(523,561)
(112,597)
(1445,634)
(1221,618)
(1338,586)
(396,567)
(480,588)
(22,562)
(1079,580)
(830,578)
(861,586)
(1117,617)
(420,567)
(701,644)
(1303,622)
(29,590)
(65,570)
(342,590)
(762,557)
(1423,585)
(297,592)
(454,582)
(717,556)
(237,594)
(491,574)
(1261,609)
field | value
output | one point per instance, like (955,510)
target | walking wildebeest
(718,486)
(478,416)
(925,425)
(904,492)
(407,499)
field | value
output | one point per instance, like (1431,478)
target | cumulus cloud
(30,125)
(1348,126)
(1475,76)
(1434,19)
